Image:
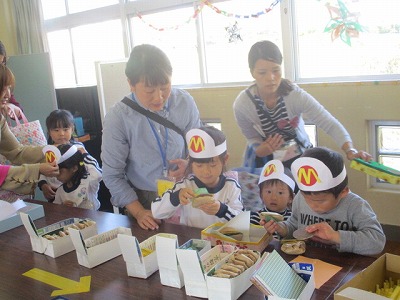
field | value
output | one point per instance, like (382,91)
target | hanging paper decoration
(343,24)
(175,27)
(233,33)
(255,15)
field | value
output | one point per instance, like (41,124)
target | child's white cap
(274,169)
(71,151)
(202,145)
(312,175)
(53,154)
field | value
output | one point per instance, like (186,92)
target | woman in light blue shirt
(136,150)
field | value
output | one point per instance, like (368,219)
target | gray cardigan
(298,103)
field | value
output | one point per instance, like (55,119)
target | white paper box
(255,237)
(229,288)
(59,246)
(194,268)
(34,210)
(138,264)
(97,249)
(169,269)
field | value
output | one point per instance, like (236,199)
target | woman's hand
(143,216)
(179,172)
(270,145)
(185,195)
(49,169)
(353,153)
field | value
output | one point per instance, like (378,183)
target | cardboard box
(140,259)
(363,285)
(228,288)
(254,237)
(169,269)
(36,211)
(195,266)
(61,244)
(97,249)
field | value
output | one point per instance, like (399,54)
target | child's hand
(82,150)
(324,233)
(49,169)
(69,203)
(48,192)
(185,195)
(271,227)
(210,208)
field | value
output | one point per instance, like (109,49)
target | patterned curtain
(28,22)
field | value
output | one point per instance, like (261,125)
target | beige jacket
(24,174)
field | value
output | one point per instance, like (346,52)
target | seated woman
(29,160)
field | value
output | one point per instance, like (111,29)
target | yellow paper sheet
(322,271)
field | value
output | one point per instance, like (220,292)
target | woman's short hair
(149,63)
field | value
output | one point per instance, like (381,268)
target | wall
(7,28)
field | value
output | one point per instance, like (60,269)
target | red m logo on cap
(196,144)
(50,156)
(269,170)
(307,176)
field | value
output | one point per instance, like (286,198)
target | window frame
(374,146)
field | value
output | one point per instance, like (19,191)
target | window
(385,139)
(74,53)
(373,54)
(79,5)
(213,122)
(208,42)
(176,37)
(227,40)
(311,131)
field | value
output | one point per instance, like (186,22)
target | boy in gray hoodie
(327,210)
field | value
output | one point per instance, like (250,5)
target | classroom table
(110,280)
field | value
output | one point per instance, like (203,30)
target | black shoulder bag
(154,117)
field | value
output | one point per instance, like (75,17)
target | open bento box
(254,237)
(97,249)
(55,240)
